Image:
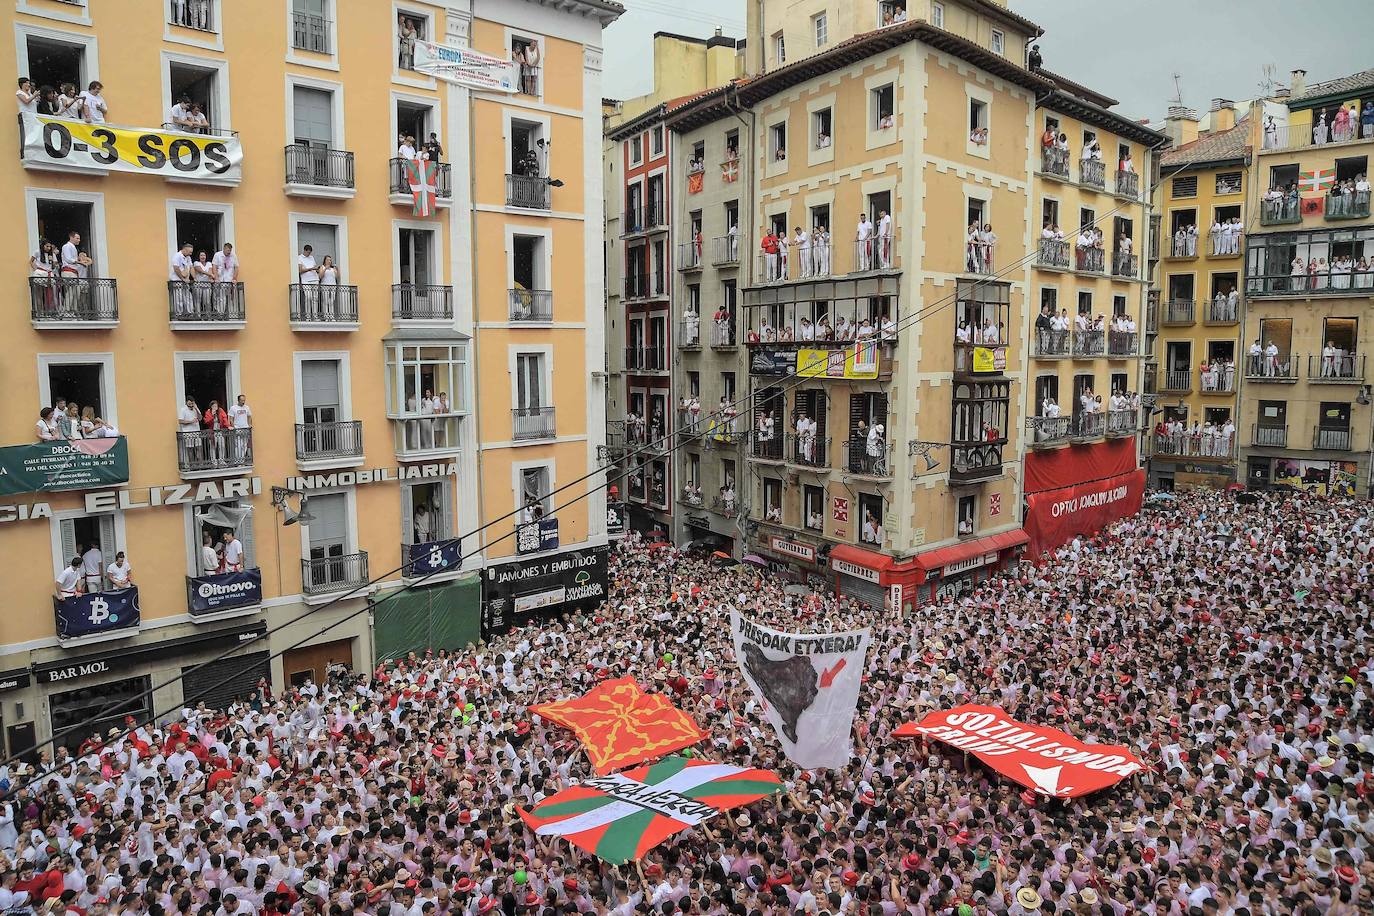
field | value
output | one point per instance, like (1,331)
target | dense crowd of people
(1225,643)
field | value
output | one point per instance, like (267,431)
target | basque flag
(421,175)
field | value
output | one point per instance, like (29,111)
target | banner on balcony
(63,465)
(216,594)
(1054,517)
(1068,467)
(465,67)
(433,557)
(616,519)
(65,144)
(855,361)
(694,182)
(90,615)
(1322,478)
(537,536)
(770,362)
(989,359)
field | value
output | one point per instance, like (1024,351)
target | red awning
(868,559)
(956,553)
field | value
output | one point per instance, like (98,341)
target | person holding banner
(120,574)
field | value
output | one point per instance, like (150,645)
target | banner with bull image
(808,684)
(1045,760)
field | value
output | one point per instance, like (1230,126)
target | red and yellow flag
(620,725)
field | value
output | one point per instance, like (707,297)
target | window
(1046,392)
(820,128)
(1085,302)
(772,499)
(410,27)
(1184,186)
(328,535)
(1049,299)
(426,512)
(1086,218)
(870,519)
(534,496)
(978,122)
(779,49)
(1283,176)
(1119,306)
(214,520)
(312,118)
(727,383)
(93,539)
(54,61)
(732,144)
(1049,213)
(1351,167)
(196,93)
(813,508)
(937,15)
(636,144)
(310,26)
(822,32)
(56,221)
(694,384)
(881,100)
(656,141)
(433,373)
(1228,182)
(525,51)
(998,41)
(968,515)
(529,380)
(777,135)
(79,381)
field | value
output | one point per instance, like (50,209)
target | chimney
(1181,124)
(1223,114)
(1298,82)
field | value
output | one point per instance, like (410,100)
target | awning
(958,553)
(848,553)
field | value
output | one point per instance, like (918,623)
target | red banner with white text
(1045,760)
(1067,467)
(1053,517)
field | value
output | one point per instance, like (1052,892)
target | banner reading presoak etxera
(809,685)
(64,143)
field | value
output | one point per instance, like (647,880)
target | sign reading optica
(64,143)
(63,465)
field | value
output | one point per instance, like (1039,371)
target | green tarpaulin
(446,616)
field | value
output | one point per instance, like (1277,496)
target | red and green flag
(1317,181)
(620,817)
(422,176)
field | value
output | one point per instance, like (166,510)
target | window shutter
(818,400)
(68,542)
(108,547)
(408,513)
(448,526)
(245,534)
(880,409)
(857,413)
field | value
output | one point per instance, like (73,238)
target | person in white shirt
(46,427)
(406,150)
(92,563)
(70,580)
(240,417)
(179,272)
(864,235)
(27,96)
(74,264)
(93,107)
(802,242)
(233,553)
(120,574)
(188,422)
(884,239)
(308,276)
(209,557)
(180,115)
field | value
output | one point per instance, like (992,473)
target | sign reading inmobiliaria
(1045,760)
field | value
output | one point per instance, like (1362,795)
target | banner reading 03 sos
(63,143)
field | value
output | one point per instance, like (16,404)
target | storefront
(542,588)
(314,663)
(1078,491)
(862,575)
(800,561)
(882,581)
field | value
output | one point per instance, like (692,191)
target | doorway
(58,218)
(311,664)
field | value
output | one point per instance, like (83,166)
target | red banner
(1066,467)
(1044,760)
(1055,516)
(694,182)
(620,725)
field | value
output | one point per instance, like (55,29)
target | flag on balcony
(1317,181)
(1311,206)
(694,182)
(729,171)
(421,175)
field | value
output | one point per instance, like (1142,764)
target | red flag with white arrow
(1045,760)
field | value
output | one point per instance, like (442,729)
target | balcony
(197,16)
(1126,266)
(333,442)
(690,425)
(1122,423)
(636,286)
(531,423)
(1152,314)
(1195,444)
(1047,432)
(1331,439)
(1177,381)
(863,460)
(1217,379)
(73,304)
(1149,382)
(1180,312)
(689,256)
(689,334)
(1182,247)
(1220,311)
(769,449)
(1053,254)
(632,220)
(421,302)
(1054,162)
(1339,368)
(1279,369)
(402,194)
(808,451)
(1088,426)
(1092,173)
(970,462)
(205,306)
(614,449)
(1050,344)
(690,496)
(311,33)
(214,452)
(1263,436)
(1090,260)
(416,436)
(978,259)
(1089,344)
(323,307)
(530,306)
(876,253)
(1226,244)
(1127,184)
(726,507)
(318,171)
(725,251)
(529,192)
(1122,344)
(723,334)
(332,575)
(528,81)
(1327,283)
(656,217)
(1348,206)
(646,359)
(1280,212)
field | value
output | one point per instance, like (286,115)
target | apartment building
(1305,415)
(416,346)
(1198,360)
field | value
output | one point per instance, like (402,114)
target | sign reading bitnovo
(63,465)
(1045,760)
(67,144)
(225,592)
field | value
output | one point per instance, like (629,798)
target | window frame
(820,29)
(109,406)
(998,42)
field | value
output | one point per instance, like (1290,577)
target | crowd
(881,327)
(206,438)
(1205,439)
(70,421)
(63,101)
(1243,683)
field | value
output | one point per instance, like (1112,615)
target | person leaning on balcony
(1126,164)
(68,101)
(216,423)
(46,427)
(179,273)
(120,573)
(202,281)
(210,559)
(180,114)
(1271,359)
(70,582)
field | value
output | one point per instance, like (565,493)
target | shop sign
(63,465)
(531,591)
(372,475)
(64,670)
(804,552)
(854,569)
(970,563)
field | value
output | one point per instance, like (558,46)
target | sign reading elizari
(514,594)
(63,143)
(63,465)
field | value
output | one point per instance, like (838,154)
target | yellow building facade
(434,375)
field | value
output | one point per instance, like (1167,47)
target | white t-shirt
(41,427)
(70,265)
(227,266)
(188,419)
(307,261)
(68,578)
(31,106)
(119,573)
(233,552)
(241,415)
(209,560)
(179,263)
(90,562)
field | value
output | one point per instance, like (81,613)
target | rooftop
(1214,147)
(1344,86)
